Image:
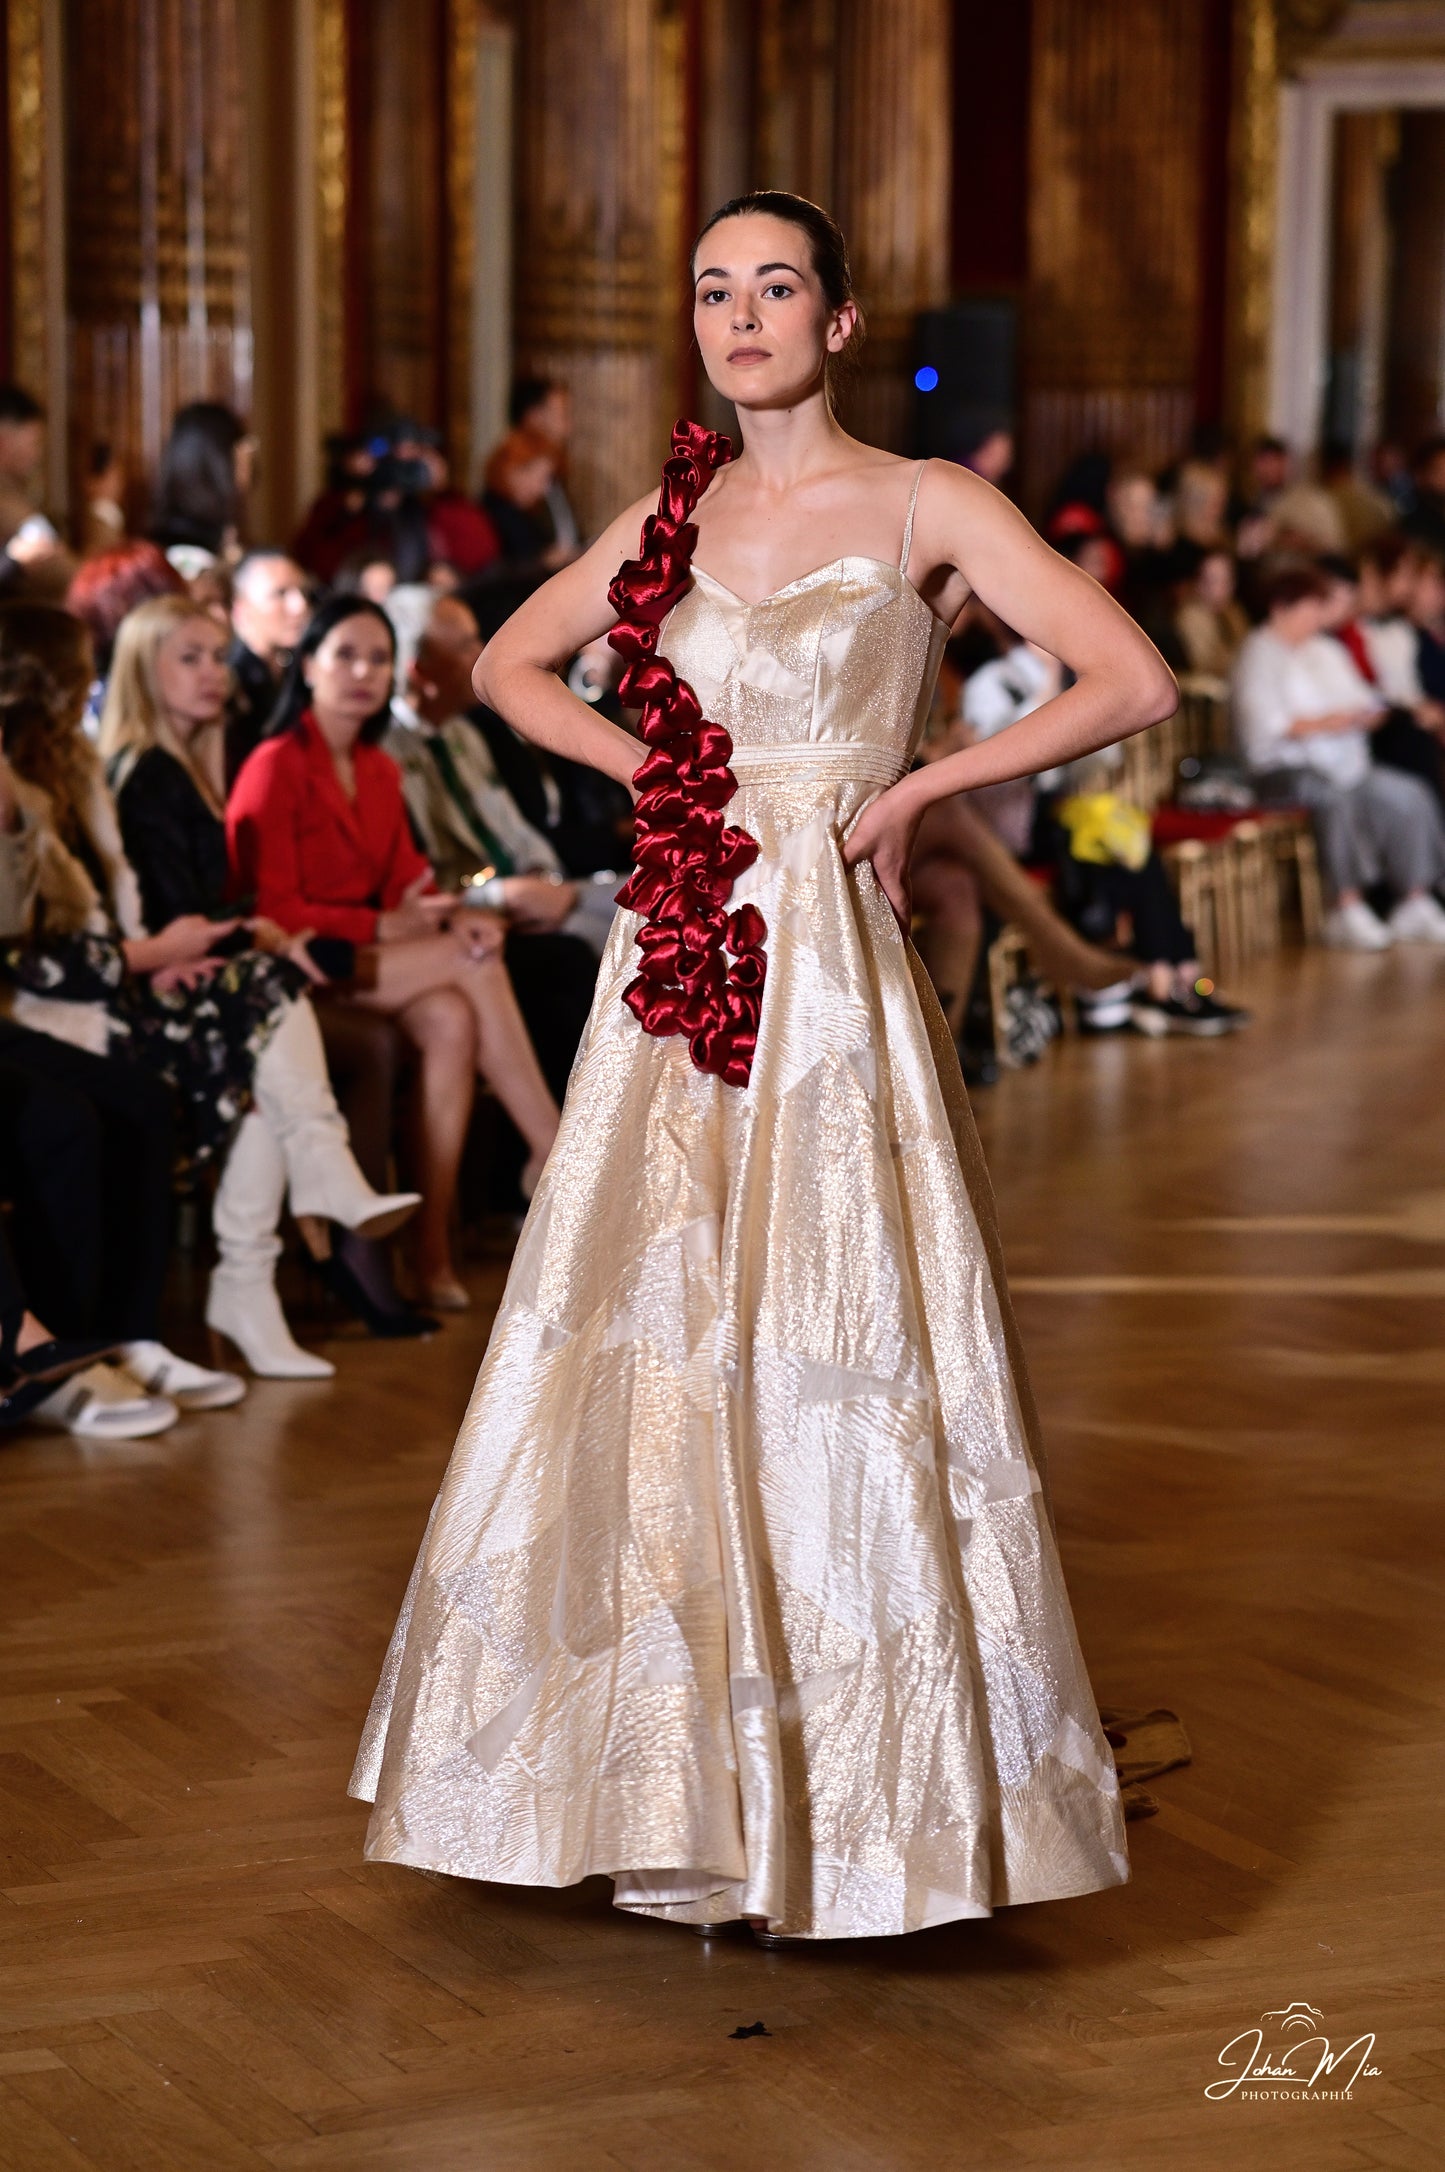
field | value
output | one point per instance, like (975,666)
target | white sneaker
(103,1403)
(1418,919)
(191,1387)
(1355,927)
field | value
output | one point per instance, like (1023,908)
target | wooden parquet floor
(1231,1264)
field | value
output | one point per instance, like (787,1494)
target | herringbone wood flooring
(1231,1260)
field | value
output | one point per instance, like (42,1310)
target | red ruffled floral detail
(687,856)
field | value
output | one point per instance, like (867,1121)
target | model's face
(764,328)
(350,674)
(271,606)
(192,678)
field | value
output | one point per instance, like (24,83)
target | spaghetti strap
(908,524)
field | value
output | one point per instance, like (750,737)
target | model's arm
(967,536)
(1121,682)
(517,672)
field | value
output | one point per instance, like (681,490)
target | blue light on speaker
(926,379)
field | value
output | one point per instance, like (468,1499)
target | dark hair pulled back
(826,246)
(294,697)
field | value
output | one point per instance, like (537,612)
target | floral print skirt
(204,1041)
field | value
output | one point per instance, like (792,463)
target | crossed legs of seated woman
(317,830)
(451,996)
(960,863)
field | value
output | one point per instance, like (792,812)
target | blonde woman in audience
(224,1023)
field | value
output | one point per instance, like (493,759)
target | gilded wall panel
(1116,132)
(599,230)
(157,272)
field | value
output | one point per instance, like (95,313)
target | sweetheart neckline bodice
(845,558)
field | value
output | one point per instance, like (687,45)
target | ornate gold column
(1253,134)
(35,189)
(599,230)
(891,191)
(1114,226)
(158,259)
(25,182)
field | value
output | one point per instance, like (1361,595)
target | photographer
(389,493)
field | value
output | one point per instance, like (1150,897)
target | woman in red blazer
(317,832)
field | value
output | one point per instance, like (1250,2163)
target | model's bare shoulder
(961,519)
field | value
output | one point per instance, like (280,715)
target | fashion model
(742,1584)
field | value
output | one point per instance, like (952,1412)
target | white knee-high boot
(242,1303)
(293,1094)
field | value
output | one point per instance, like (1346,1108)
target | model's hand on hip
(884,834)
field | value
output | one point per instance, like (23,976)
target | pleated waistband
(799,759)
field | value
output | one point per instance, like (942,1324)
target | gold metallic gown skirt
(742,1586)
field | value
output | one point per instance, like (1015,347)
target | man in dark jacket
(269,609)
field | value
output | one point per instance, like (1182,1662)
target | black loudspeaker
(964,383)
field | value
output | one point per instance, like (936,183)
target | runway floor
(1230,1269)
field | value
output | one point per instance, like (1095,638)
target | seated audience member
(984,444)
(1106,866)
(269,607)
(104,589)
(540,415)
(1365,513)
(586,817)
(1201,504)
(205,473)
(480,844)
(515,501)
(1305,518)
(1209,617)
(32,1360)
(462,815)
(1266,474)
(220,1023)
(996,695)
(109,585)
(85,1165)
(369,573)
(318,833)
(1427,616)
(104,524)
(1425,521)
(961,864)
(85,1168)
(389,496)
(1303,716)
(1139,524)
(34,562)
(1377,630)
(1369,615)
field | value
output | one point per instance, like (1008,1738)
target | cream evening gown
(742,1586)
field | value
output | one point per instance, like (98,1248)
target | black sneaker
(1204,1016)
